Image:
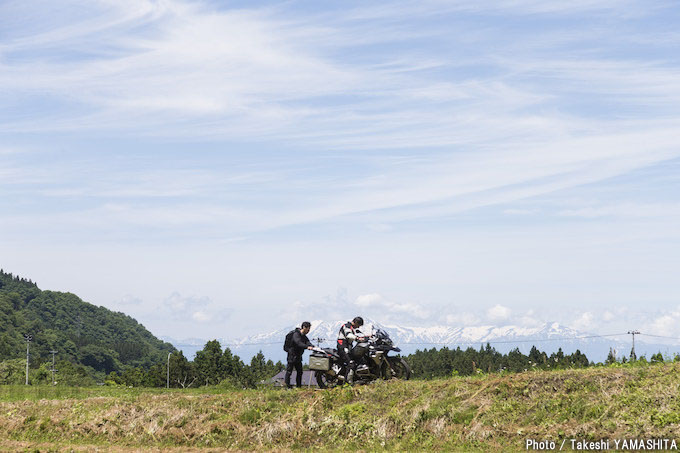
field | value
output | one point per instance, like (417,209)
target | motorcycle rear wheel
(324,380)
(400,369)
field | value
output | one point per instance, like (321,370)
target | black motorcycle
(372,359)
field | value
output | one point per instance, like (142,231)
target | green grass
(47,392)
(487,413)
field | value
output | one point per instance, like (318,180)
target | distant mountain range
(548,337)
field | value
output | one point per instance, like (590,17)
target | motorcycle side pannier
(319,363)
(360,350)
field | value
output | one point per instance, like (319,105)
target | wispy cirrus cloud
(627,210)
(260,75)
(163,121)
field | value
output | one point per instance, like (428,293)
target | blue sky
(224,168)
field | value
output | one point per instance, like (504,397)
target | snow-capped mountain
(548,337)
(445,335)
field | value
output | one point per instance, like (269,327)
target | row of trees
(215,366)
(13,371)
(655,358)
(445,362)
(211,366)
(431,363)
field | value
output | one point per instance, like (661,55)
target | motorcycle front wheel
(400,368)
(324,380)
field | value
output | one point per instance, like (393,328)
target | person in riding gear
(347,335)
(300,342)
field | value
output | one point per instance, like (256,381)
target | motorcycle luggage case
(360,350)
(319,363)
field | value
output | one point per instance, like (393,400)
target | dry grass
(488,413)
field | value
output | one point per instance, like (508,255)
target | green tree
(209,363)
(657,358)
(13,371)
(611,357)
(82,333)
(182,372)
(99,358)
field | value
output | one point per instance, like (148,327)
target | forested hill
(80,332)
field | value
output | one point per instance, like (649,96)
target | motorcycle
(372,359)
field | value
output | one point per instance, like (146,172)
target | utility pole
(318,341)
(28,338)
(633,357)
(53,369)
(167,383)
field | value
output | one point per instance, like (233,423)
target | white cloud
(390,310)
(369,299)
(440,187)
(417,311)
(608,316)
(585,321)
(249,64)
(515,7)
(201,316)
(129,299)
(462,318)
(200,309)
(261,77)
(518,212)
(621,319)
(632,210)
(179,304)
(380,227)
(331,308)
(200,123)
(498,312)
(530,319)
(664,323)
(263,73)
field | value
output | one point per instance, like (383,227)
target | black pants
(294,362)
(344,356)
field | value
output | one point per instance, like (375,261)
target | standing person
(348,333)
(298,343)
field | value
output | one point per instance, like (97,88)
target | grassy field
(483,413)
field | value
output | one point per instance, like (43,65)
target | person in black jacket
(300,343)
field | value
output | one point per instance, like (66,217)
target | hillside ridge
(80,333)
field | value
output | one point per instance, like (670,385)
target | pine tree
(209,363)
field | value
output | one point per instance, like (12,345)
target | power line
(253,344)
(537,340)
(659,336)
(232,344)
